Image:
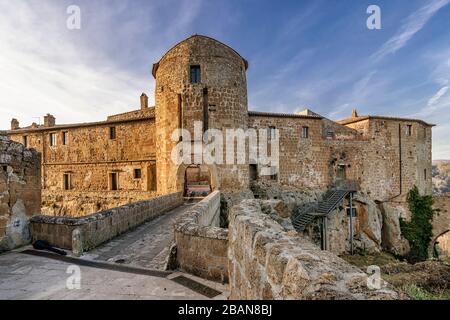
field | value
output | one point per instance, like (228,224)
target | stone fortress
(92,167)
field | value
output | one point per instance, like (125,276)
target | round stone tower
(199,80)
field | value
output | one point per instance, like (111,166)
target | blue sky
(315,54)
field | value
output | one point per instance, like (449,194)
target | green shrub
(418,231)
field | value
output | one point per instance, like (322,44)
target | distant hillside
(441,176)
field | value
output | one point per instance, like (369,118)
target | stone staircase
(304,216)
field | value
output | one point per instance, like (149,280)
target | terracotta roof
(282,115)
(362,118)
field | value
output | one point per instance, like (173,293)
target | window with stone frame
(67,181)
(271,132)
(305,132)
(112,133)
(137,173)
(195,74)
(114,181)
(409,130)
(65,138)
(25,141)
(52,139)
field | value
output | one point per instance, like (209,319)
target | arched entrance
(441,246)
(196,180)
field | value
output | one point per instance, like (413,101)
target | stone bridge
(441,221)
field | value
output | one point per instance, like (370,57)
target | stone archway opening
(441,246)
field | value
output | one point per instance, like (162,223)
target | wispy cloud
(435,99)
(413,24)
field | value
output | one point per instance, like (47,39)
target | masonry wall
(89,157)
(101,226)
(20,194)
(220,99)
(265,262)
(201,243)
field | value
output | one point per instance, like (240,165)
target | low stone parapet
(86,233)
(266,262)
(201,243)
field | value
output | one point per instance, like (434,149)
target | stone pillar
(77,242)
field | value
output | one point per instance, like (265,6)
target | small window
(253,172)
(25,141)
(305,132)
(409,130)
(137,173)
(67,181)
(271,132)
(65,138)
(5,168)
(112,133)
(195,74)
(354,213)
(425,174)
(52,139)
(114,183)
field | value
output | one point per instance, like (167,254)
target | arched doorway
(197,180)
(441,246)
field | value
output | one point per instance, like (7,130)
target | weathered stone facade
(201,244)
(85,233)
(201,79)
(266,262)
(20,194)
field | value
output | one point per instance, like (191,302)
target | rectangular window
(137,173)
(354,213)
(67,181)
(195,74)
(271,133)
(253,172)
(65,138)
(409,130)
(52,139)
(25,141)
(305,132)
(425,174)
(114,183)
(112,133)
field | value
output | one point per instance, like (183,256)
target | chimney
(354,113)
(49,120)
(14,124)
(144,101)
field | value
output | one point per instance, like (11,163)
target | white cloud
(435,99)
(413,24)
(79,75)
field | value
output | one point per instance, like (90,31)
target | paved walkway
(147,246)
(24,276)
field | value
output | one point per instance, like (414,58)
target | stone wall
(102,226)
(89,155)
(78,204)
(441,221)
(20,192)
(265,262)
(201,244)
